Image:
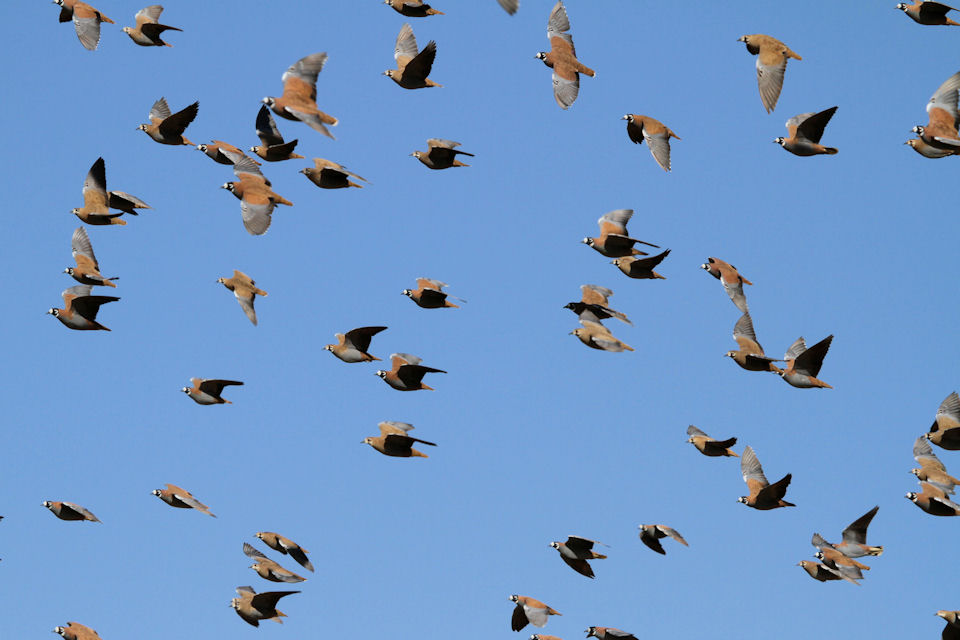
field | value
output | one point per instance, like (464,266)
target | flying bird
(268,569)
(593,305)
(87,270)
(576,551)
(76,631)
(772,56)
(257,198)
(80,308)
(731,280)
(804,364)
(441,154)
(327,174)
(181,499)
(413,66)
(207,391)
(854,544)
(167,128)
(804,133)
(651,534)
(609,633)
(272,148)
(750,354)
(614,240)
(929,151)
(941,130)
(223,152)
(286,546)
(254,607)
(844,567)
(934,501)
(148,29)
(562,58)
(641,268)
(952,630)
(394,440)
(97,201)
(429,294)
(70,511)
(945,430)
(244,290)
(763,495)
(406,373)
(412,8)
(931,469)
(820,572)
(352,346)
(709,446)
(530,610)
(511,6)
(656,134)
(86,21)
(299,99)
(597,336)
(928,13)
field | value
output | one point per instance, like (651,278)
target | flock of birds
(298,103)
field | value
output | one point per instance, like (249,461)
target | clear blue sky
(539,437)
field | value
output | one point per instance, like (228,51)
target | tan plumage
(148,29)
(413,65)
(657,135)
(245,290)
(562,58)
(772,58)
(327,174)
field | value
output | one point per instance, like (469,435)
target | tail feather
(831,151)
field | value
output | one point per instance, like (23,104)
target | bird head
(380,373)
(818,555)
(911,496)
(779,140)
(142,127)
(47,504)
(389,73)
(919,129)
(902,6)
(407,292)
(743,39)
(628,118)
(742,499)
(59,630)
(75,211)
(587,241)
(185,390)
(255,149)
(156,492)
(202,147)
(514,598)
(541,55)
(270,102)
(53,312)
(68,271)
(417,154)
(555,545)
(328,347)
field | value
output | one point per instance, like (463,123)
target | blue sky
(539,437)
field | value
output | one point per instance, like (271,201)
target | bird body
(80,308)
(207,391)
(254,607)
(412,8)
(257,198)
(86,21)
(327,174)
(562,58)
(148,29)
(76,631)
(854,544)
(352,346)
(406,373)
(804,133)
(576,551)
(709,446)
(299,99)
(597,336)
(763,495)
(429,294)
(641,268)
(614,240)
(657,135)
(934,501)
(286,546)
(441,154)
(87,270)
(731,280)
(70,511)
(245,291)
(268,569)
(803,364)
(97,201)
(928,13)
(529,611)
(651,534)
(167,128)
(413,65)
(181,499)
(593,305)
(772,56)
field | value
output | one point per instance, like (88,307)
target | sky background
(539,437)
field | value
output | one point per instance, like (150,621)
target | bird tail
(434,12)
(418,454)
(457,163)
(598,556)
(831,151)
(260,292)
(431,83)
(117,221)
(104,18)
(107,282)
(584,69)
(447,303)
(423,386)
(354,184)
(951,22)
(784,503)
(791,54)
(875,551)
(281,200)
(730,453)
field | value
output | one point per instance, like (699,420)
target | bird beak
(624,117)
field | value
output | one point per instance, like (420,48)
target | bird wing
(95,186)
(752,470)
(256,208)
(361,336)
(80,245)
(811,128)
(252,551)
(659,144)
(215,387)
(615,221)
(693,431)
(672,533)
(405,48)
(810,361)
(149,14)
(946,95)
(300,79)
(422,63)
(267,129)
(176,124)
(160,110)
(566,89)
(856,532)
(771,66)
(923,453)
(390,427)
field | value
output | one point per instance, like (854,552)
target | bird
(429,294)
(148,29)
(166,128)
(80,308)
(651,534)
(731,280)
(562,58)
(406,373)
(413,67)
(299,99)
(254,607)
(952,630)
(272,148)
(97,201)
(87,270)
(804,364)
(441,154)
(70,511)
(541,636)
(819,572)
(327,174)
(576,551)
(412,8)
(854,544)
(931,469)
(511,6)
(223,152)
(268,569)
(257,198)
(772,56)
(286,546)
(929,151)
(352,346)
(750,355)
(934,501)
(836,557)
(86,21)
(614,241)
(709,446)
(597,336)
(943,116)
(181,499)
(76,631)
(843,567)
(593,305)
(245,290)
(394,440)
(928,13)
(609,633)
(763,495)
(641,268)
(529,610)
(207,391)
(945,430)
(804,133)
(656,134)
